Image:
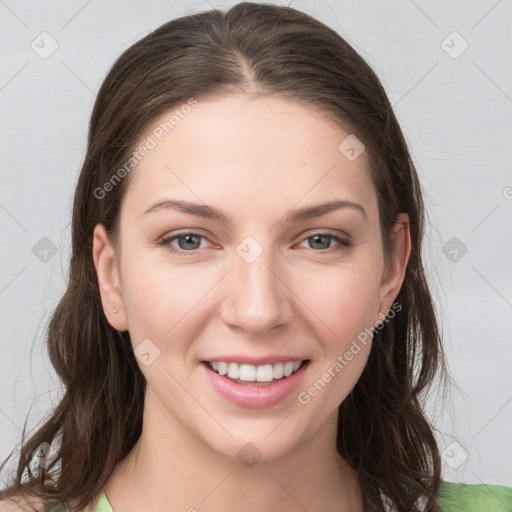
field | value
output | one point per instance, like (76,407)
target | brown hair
(382,430)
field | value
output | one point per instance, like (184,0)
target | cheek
(343,299)
(161,299)
(344,310)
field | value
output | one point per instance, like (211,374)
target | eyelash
(343,244)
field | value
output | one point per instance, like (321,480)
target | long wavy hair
(383,431)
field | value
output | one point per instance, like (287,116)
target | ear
(394,269)
(107,272)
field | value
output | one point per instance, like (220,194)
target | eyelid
(326,231)
(343,239)
(313,231)
(166,239)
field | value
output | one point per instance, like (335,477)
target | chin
(258,444)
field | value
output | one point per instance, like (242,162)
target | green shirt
(473,498)
(453,498)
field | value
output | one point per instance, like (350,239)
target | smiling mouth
(249,374)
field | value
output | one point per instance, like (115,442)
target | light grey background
(454,107)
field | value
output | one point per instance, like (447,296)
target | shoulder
(459,497)
(20,504)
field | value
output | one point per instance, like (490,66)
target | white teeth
(278,370)
(265,373)
(233,370)
(288,369)
(247,372)
(222,369)
(252,373)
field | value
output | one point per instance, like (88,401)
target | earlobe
(394,271)
(107,273)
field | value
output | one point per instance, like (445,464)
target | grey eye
(189,241)
(320,241)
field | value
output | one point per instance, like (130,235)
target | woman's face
(245,272)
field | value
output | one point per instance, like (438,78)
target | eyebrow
(294,215)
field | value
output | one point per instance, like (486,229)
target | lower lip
(254,396)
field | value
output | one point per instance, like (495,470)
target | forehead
(257,151)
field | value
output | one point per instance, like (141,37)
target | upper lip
(256,361)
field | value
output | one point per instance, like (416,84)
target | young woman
(247,324)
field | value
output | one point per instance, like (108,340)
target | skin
(256,159)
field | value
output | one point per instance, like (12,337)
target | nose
(257,298)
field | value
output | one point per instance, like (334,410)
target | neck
(171,469)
